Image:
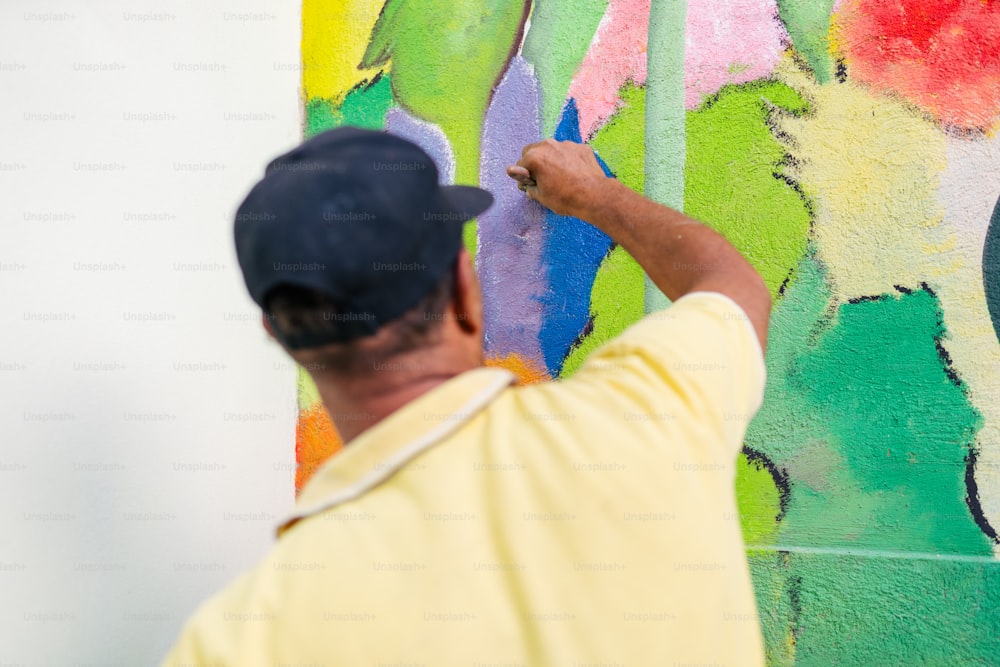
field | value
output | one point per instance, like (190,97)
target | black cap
(358,216)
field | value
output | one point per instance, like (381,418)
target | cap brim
(467,201)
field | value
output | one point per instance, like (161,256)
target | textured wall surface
(849,149)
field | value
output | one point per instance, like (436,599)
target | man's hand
(678,254)
(561,175)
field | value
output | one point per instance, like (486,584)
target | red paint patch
(943,55)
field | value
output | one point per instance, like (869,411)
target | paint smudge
(511,234)
(943,55)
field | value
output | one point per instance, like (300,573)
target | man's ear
(467,299)
(265,319)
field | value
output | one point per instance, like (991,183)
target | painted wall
(850,150)
(146,423)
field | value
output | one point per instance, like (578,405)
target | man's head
(354,252)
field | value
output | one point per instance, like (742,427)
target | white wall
(128,134)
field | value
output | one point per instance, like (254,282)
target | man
(589,521)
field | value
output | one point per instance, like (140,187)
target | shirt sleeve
(700,356)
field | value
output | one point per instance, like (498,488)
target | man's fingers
(518,173)
(521,175)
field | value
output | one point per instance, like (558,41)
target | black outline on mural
(972,500)
(972,496)
(779,475)
(840,72)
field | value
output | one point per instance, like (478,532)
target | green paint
(861,414)
(446,58)
(732,159)
(561,32)
(873,610)
(615,301)
(776,605)
(307,391)
(619,141)
(808,24)
(365,106)
(665,116)
(901,426)
(846,386)
(758,499)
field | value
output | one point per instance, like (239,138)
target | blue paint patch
(991,268)
(571,254)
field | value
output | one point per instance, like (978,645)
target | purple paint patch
(426,135)
(511,237)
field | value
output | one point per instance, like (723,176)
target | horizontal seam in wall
(875,553)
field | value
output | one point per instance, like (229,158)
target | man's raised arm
(679,254)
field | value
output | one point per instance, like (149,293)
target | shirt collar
(383,449)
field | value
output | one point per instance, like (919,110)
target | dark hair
(297,310)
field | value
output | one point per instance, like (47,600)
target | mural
(849,149)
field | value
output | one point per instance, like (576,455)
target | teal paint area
(560,34)
(364,106)
(877,558)
(865,418)
(808,24)
(877,608)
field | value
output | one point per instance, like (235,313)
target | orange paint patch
(316,440)
(526,370)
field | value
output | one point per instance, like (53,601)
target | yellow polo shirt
(590,521)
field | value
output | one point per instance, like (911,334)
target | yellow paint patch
(872,167)
(335,34)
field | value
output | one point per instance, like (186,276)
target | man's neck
(357,403)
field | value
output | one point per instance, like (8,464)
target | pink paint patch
(735,42)
(617,54)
